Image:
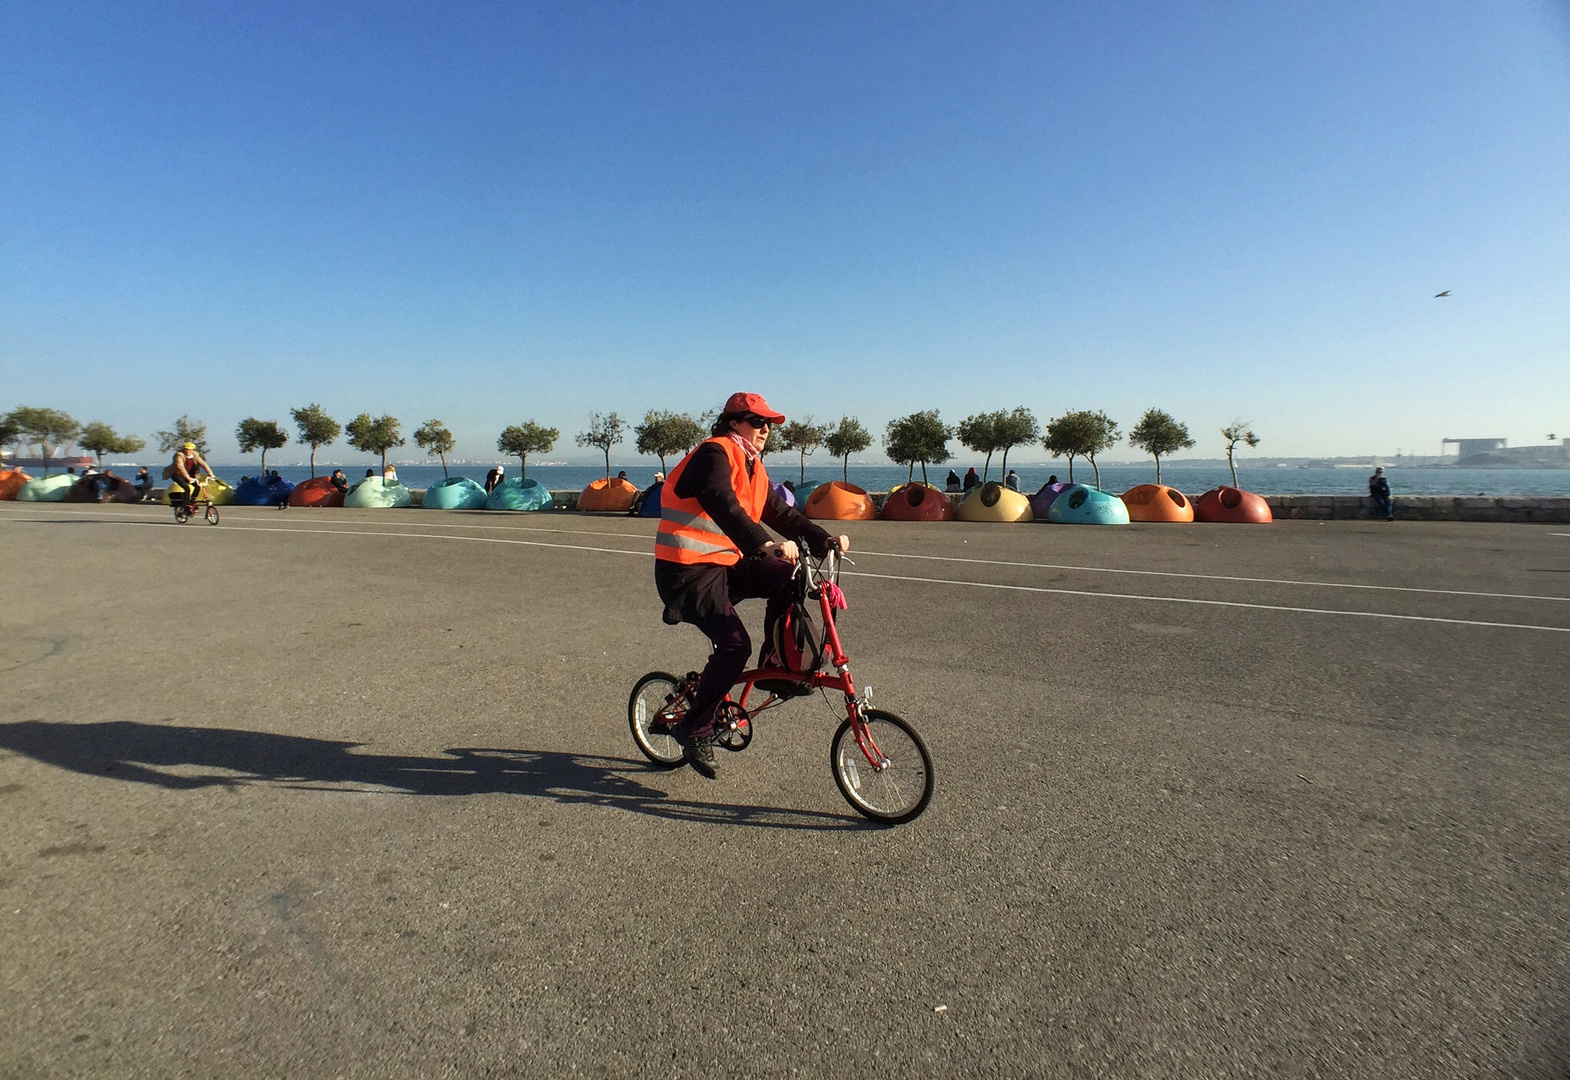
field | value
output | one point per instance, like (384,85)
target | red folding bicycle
(879,761)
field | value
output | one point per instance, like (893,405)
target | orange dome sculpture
(11,481)
(1157,502)
(318,491)
(917,502)
(1232,506)
(613,495)
(839,501)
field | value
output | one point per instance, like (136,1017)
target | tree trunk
(1158,468)
(264,464)
(523,467)
(607,466)
(313,461)
(986,467)
(1232,466)
(1096,469)
(1071,468)
(923,472)
(445,475)
(845,468)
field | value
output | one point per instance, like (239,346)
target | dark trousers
(1382,507)
(766,578)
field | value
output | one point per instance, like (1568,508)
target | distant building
(1466,448)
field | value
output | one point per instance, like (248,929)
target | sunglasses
(754,420)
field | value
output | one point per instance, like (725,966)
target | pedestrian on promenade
(1379,490)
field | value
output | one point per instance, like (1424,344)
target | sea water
(1114,478)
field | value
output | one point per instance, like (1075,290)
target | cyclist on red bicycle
(711,551)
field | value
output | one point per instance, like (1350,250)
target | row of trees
(921,438)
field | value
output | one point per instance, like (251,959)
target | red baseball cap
(744,404)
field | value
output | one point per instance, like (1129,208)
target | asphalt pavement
(351,793)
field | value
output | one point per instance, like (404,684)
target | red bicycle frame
(830,598)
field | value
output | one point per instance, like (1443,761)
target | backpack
(797,639)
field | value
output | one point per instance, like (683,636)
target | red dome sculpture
(1232,506)
(917,502)
(318,491)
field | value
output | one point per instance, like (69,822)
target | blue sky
(490,213)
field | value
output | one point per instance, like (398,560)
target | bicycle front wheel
(212,515)
(898,786)
(656,705)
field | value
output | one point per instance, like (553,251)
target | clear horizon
(493,216)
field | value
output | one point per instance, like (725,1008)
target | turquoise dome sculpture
(519,495)
(454,493)
(1081,505)
(47,489)
(374,493)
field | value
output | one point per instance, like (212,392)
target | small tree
(316,429)
(665,433)
(978,433)
(10,433)
(530,438)
(434,438)
(804,437)
(1157,433)
(375,435)
(100,439)
(1081,433)
(1016,428)
(847,439)
(605,431)
(920,437)
(49,429)
(1237,432)
(185,431)
(265,435)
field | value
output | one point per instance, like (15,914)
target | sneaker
(699,753)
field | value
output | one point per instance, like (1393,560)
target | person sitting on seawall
(710,550)
(971,479)
(144,482)
(952,483)
(1011,481)
(494,478)
(1379,490)
(185,469)
(339,481)
(389,474)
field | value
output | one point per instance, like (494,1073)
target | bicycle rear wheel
(898,790)
(655,706)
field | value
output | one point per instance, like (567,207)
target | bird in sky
(1437,295)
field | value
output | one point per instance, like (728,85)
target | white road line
(1214,603)
(1076,568)
(643,553)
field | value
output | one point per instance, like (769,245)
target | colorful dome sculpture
(219,492)
(374,493)
(917,502)
(994,502)
(1041,502)
(839,501)
(11,481)
(47,489)
(1081,505)
(614,496)
(519,495)
(1232,506)
(262,491)
(101,487)
(1157,502)
(804,492)
(317,491)
(454,493)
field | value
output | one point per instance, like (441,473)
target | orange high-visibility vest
(688,535)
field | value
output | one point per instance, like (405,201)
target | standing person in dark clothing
(711,550)
(1379,490)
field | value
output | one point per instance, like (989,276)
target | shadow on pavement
(189,757)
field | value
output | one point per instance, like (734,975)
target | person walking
(1379,490)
